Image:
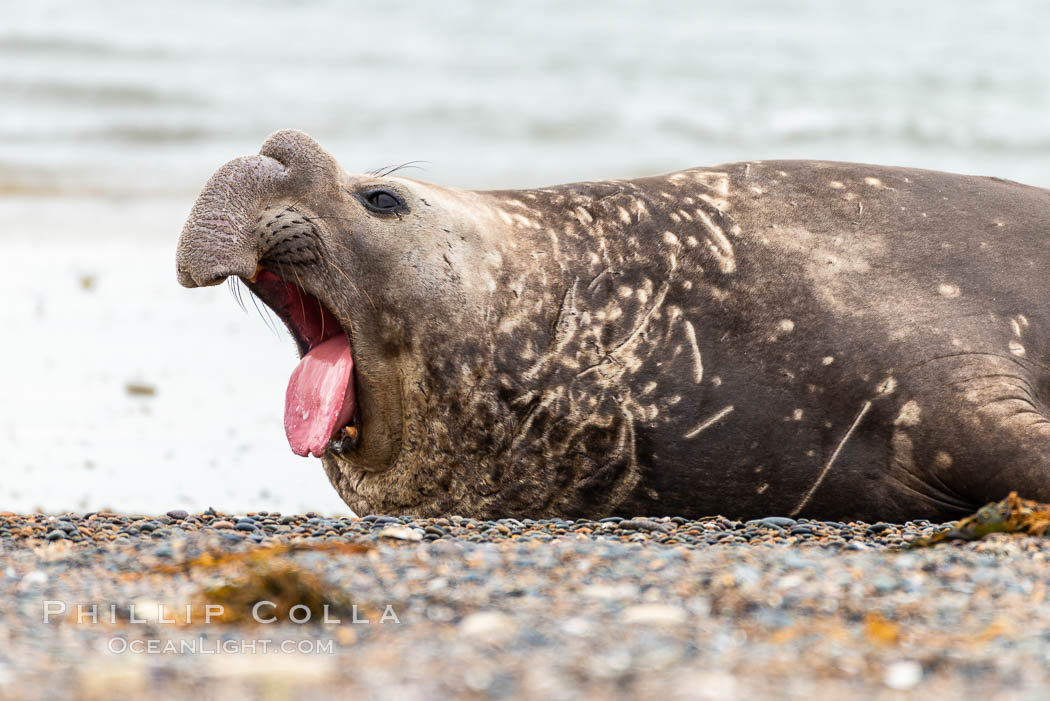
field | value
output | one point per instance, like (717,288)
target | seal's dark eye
(382,201)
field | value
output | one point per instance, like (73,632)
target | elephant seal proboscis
(806,338)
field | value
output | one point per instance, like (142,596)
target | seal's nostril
(215,282)
(212,281)
(185,279)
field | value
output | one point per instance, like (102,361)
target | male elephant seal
(806,338)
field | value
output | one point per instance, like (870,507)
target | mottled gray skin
(807,338)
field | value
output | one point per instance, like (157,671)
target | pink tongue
(320,396)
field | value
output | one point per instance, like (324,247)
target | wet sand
(459,608)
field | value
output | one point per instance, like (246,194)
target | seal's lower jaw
(321,402)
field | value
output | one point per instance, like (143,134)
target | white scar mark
(525,221)
(718,242)
(864,408)
(710,422)
(888,385)
(698,361)
(719,182)
(719,204)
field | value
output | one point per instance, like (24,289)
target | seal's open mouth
(320,405)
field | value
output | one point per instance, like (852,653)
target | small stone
(246,526)
(34,578)
(903,675)
(177,514)
(401,533)
(654,615)
(222,524)
(645,524)
(140,389)
(490,626)
(56,535)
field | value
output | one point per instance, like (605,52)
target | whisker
(267,319)
(320,308)
(299,289)
(235,290)
(347,277)
(390,169)
(406,164)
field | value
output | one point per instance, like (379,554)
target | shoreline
(263,526)
(712,608)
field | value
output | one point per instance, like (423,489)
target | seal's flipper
(980,428)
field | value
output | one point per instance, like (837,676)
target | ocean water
(113,114)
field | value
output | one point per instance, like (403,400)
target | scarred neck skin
(522,395)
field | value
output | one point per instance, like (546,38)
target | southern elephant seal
(805,338)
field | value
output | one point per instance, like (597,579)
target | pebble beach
(124,391)
(459,608)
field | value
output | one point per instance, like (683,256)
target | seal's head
(363,270)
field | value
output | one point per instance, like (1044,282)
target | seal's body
(805,338)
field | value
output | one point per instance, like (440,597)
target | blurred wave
(123,97)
